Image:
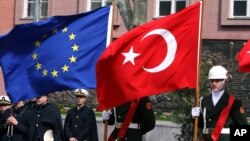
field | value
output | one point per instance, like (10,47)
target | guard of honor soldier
(47,121)
(16,121)
(5,104)
(219,109)
(80,122)
(142,122)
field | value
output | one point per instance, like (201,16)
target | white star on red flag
(130,56)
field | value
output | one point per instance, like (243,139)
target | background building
(226,26)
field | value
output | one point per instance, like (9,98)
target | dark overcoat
(81,124)
(21,130)
(143,117)
(236,115)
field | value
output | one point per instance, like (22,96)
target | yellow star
(38,66)
(45,72)
(54,31)
(72,36)
(72,59)
(54,73)
(75,47)
(34,56)
(65,68)
(65,29)
(37,43)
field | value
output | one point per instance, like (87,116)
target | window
(235,13)
(167,7)
(30,6)
(94,4)
(239,8)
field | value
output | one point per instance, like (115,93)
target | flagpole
(198,70)
(105,136)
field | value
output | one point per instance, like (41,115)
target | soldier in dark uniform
(220,101)
(16,121)
(5,104)
(80,122)
(142,122)
(47,121)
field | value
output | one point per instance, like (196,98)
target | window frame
(103,3)
(173,6)
(26,7)
(231,11)
(226,20)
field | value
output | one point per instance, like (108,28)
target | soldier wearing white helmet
(218,74)
(80,121)
(219,109)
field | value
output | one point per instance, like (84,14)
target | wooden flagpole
(197,93)
(105,136)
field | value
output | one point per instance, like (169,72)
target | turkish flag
(153,58)
(244,58)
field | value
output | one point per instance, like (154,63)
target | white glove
(105,115)
(195,112)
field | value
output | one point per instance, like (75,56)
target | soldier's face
(42,100)
(80,100)
(4,107)
(217,84)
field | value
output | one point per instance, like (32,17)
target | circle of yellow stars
(64,68)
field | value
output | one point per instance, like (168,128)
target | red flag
(244,58)
(156,57)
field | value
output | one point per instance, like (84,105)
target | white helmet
(218,72)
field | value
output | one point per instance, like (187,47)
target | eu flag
(56,54)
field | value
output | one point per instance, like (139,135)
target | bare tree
(133,14)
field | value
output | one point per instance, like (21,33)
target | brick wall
(7,16)
(2,89)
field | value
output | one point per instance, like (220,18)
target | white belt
(210,130)
(131,125)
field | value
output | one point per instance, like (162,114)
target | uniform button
(38,115)
(126,138)
(119,116)
(76,116)
(36,125)
(209,119)
(75,125)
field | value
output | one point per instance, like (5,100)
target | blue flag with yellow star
(56,54)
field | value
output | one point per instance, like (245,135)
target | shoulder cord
(115,114)
(203,112)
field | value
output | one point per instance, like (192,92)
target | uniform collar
(216,96)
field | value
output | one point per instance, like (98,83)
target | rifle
(10,126)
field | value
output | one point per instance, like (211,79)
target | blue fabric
(72,42)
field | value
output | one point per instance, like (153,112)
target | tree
(133,15)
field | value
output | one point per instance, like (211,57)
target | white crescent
(172,47)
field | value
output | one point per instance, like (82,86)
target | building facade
(225,26)
(222,19)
